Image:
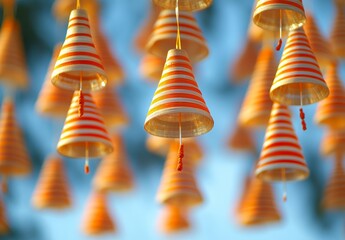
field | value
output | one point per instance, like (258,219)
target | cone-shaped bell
(241,139)
(4,227)
(258,205)
(244,64)
(97,219)
(331,111)
(298,80)
(53,101)
(280,14)
(257,104)
(318,43)
(14,158)
(13,69)
(161,146)
(110,107)
(151,67)
(178,187)
(163,37)
(334,196)
(114,172)
(84,135)
(184,5)
(52,190)
(173,219)
(333,143)
(79,66)
(178,102)
(338,33)
(281,156)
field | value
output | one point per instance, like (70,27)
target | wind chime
(79,68)
(178,109)
(337,33)
(281,157)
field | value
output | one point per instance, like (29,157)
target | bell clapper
(284,185)
(178,37)
(301,113)
(4,184)
(86,166)
(81,98)
(280,42)
(181,149)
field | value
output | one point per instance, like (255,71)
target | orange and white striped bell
(79,66)
(97,219)
(84,133)
(52,190)
(163,37)
(334,195)
(173,219)
(318,43)
(178,187)
(337,33)
(178,108)
(184,5)
(4,227)
(114,173)
(257,104)
(278,14)
(110,108)
(331,111)
(53,101)
(281,157)
(258,206)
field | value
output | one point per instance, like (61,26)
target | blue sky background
(221,174)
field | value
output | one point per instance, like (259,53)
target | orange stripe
(281,153)
(79,18)
(79,62)
(282,135)
(300,75)
(86,126)
(298,62)
(282,161)
(178,95)
(78,44)
(85,135)
(71,54)
(78,35)
(179,72)
(159,90)
(183,32)
(84,119)
(174,25)
(178,57)
(177,104)
(174,17)
(279,144)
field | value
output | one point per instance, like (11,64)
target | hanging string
(81,98)
(86,166)
(4,184)
(178,37)
(284,185)
(280,42)
(301,113)
(181,148)
(78,4)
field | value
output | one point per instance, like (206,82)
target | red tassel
(302,116)
(279,45)
(180,157)
(86,168)
(81,104)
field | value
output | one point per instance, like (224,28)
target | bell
(244,64)
(337,33)
(13,69)
(258,206)
(151,67)
(79,67)
(281,157)
(257,105)
(184,5)
(84,133)
(178,108)
(163,37)
(97,219)
(178,187)
(114,173)
(52,190)
(111,108)
(334,196)
(242,139)
(14,158)
(318,43)
(173,219)
(331,111)
(333,143)
(4,227)
(53,101)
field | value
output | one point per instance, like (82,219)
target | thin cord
(86,167)
(280,42)
(178,38)
(78,4)
(284,185)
